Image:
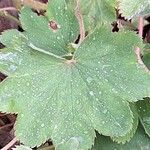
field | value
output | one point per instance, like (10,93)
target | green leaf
(67,100)
(45,92)
(22,147)
(138,142)
(129,135)
(97,12)
(40,34)
(144,114)
(135,8)
(146,56)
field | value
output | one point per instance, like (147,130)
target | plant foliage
(139,141)
(66,92)
(135,8)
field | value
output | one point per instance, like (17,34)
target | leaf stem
(140,26)
(6,126)
(4,13)
(80,21)
(138,50)
(9,16)
(8,8)
(10,144)
(34,4)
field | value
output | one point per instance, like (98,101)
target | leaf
(43,36)
(129,135)
(138,142)
(146,56)
(144,114)
(136,7)
(22,147)
(97,12)
(67,100)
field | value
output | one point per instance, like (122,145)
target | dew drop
(85,132)
(89,79)
(91,93)
(42,125)
(103,122)
(28,83)
(55,127)
(97,99)
(106,80)
(12,68)
(100,92)
(22,115)
(105,111)
(58,37)
(78,101)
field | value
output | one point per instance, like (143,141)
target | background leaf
(129,135)
(96,12)
(43,36)
(146,55)
(136,7)
(144,114)
(139,141)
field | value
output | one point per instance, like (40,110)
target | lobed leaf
(138,142)
(67,100)
(144,114)
(97,12)
(135,8)
(129,135)
(146,56)
(40,33)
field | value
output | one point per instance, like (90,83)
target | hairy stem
(140,26)
(8,8)
(138,50)
(10,144)
(6,126)
(80,20)
(9,16)
(34,4)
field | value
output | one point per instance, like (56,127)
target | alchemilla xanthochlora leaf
(138,142)
(135,8)
(144,114)
(97,12)
(67,100)
(129,135)
(38,28)
(146,56)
